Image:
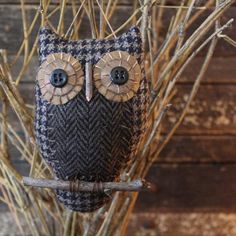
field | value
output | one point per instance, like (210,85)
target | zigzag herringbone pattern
(94,140)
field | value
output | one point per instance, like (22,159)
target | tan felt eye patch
(48,78)
(119,92)
(116,75)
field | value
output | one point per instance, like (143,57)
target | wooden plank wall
(196,172)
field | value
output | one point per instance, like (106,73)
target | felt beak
(88,81)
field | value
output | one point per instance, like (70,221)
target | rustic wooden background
(196,173)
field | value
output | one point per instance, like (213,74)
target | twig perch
(82,186)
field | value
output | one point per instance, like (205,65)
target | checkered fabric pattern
(90,141)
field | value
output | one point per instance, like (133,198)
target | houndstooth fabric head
(90,141)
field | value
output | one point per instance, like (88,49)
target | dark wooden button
(58,78)
(119,75)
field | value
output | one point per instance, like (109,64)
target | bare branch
(82,186)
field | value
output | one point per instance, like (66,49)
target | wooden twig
(105,18)
(16,100)
(60,26)
(156,124)
(74,19)
(192,93)
(82,186)
(144,23)
(227,39)
(101,21)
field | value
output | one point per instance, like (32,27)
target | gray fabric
(94,140)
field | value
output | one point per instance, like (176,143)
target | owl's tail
(83,201)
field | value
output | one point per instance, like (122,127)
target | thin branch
(190,99)
(61,20)
(105,17)
(227,39)
(74,19)
(155,128)
(82,186)
(101,20)
(144,23)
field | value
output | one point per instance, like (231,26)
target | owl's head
(91,106)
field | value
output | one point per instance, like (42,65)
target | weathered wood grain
(221,70)
(199,149)
(222,48)
(11,30)
(11,25)
(180,150)
(212,112)
(185,188)
(190,187)
(182,224)
(155,224)
(196,171)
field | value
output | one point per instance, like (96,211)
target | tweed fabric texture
(90,141)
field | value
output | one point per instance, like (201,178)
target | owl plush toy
(91,108)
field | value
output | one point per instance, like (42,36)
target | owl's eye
(117,76)
(60,78)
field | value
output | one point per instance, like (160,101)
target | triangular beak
(88,81)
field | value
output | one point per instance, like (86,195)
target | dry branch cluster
(165,59)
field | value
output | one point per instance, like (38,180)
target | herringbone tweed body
(94,140)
